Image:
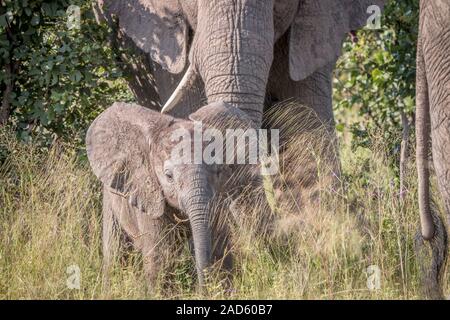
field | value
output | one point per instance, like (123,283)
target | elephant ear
(319,29)
(158,27)
(118,149)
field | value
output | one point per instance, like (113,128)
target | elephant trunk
(196,204)
(233,52)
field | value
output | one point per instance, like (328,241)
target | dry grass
(319,247)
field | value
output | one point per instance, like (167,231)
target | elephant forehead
(284,11)
(177,132)
(193,137)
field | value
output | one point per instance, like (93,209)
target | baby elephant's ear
(118,149)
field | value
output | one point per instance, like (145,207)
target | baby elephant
(130,149)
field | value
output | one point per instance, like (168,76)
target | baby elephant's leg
(151,243)
(110,236)
(222,258)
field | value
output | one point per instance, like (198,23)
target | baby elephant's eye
(169,174)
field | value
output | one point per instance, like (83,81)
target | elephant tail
(431,240)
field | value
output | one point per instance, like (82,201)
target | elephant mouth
(179,217)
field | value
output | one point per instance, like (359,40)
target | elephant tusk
(179,92)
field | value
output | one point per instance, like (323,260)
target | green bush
(376,76)
(61,77)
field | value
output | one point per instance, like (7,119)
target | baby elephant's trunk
(197,205)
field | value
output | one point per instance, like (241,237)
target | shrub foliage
(56,75)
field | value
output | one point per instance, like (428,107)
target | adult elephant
(248,53)
(433,121)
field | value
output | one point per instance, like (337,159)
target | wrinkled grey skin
(130,150)
(249,53)
(433,121)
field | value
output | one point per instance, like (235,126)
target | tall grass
(50,220)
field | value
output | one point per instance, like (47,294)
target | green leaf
(3,20)
(35,20)
(409,102)
(340,127)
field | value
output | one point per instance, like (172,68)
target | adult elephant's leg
(221,249)
(432,116)
(436,46)
(314,93)
(440,117)
(440,134)
(441,154)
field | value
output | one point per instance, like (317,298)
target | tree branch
(404,153)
